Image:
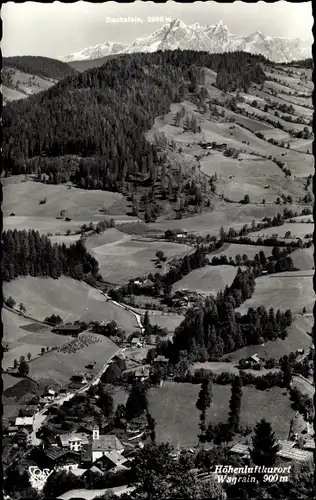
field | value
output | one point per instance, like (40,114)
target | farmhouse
(73,330)
(251,361)
(176,233)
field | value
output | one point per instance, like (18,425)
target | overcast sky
(58,29)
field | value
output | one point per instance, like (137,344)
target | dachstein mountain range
(217,38)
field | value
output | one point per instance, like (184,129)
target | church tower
(96,434)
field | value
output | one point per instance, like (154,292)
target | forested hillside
(40,66)
(102,115)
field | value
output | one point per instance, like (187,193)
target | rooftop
(67,438)
(21,421)
(55,453)
(296,454)
(107,442)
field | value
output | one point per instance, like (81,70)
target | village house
(58,459)
(113,461)
(12,430)
(23,436)
(25,422)
(142,373)
(161,360)
(136,342)
(79,378)
(74,441)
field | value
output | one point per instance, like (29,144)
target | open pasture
(207,280)
(298,338)
(22,337)
(173,407)
(70,299)
(249,166)
(256,188)
(126,257)
(61,366)
(24,198)
(289,290)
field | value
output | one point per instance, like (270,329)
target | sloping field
(41,224)
(298,338)
(11,94)
(303,258)
(224,214)
(168,321)
(70,299)
(25,336)
(234,249)
(60,366)
(270,292)
(173,407)
(235,189)
(122,257)
(207,280)
(23,200)
(25,85)
(298,230)
(248,166)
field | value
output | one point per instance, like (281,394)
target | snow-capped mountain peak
(209,38)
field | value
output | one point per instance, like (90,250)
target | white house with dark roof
(74,441)
(24,422)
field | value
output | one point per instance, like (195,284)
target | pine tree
(146,324)
(136,403)
(286,371)
(235,404)
(23,368)
(264,445)
(204,401)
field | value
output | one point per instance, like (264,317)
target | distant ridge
(40,66)
(213,39)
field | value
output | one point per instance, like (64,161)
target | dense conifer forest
(101,116)
(29,253)
(40,66)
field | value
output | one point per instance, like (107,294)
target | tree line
(30,253)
